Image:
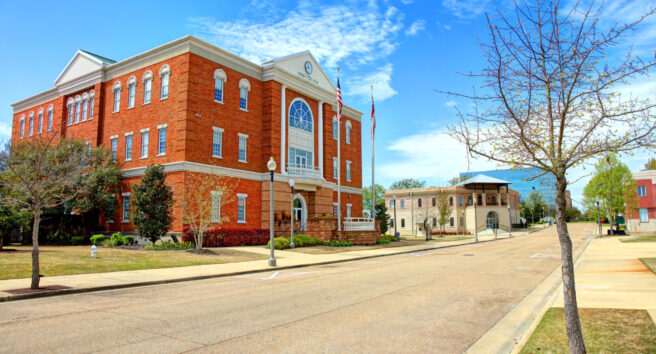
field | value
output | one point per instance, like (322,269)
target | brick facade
(190,113)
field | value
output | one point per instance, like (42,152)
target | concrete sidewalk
(67,284)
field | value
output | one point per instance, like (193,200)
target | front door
(299,213)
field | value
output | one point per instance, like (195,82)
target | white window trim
(141,155)
(244,83)
(348,128)
(245,136)
(333,128)
(161,126)
(349,207)
(132,81)
(164,70)
(335,174)
(241,195)
(217,130)
(349,171)
(220,74)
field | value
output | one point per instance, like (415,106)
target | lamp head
(271,165)
(394,197)
(291,183)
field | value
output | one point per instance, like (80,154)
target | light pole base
(272,262)
(291,245)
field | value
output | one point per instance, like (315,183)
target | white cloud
(415,28)
(334,35)
(450,103)
(381,79)
(407,2)
(433,155)
(465,9)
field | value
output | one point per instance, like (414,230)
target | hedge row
(228,237)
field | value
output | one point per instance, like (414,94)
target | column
(320,155)
(283,126)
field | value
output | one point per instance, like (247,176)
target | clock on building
(308,67)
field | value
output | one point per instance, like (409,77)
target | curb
(212,276)
(500,340)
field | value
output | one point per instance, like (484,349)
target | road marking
(274,276)
(542,255)
(418,254)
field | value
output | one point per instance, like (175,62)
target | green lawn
(649,263)
(64,260)
(641,238)
(604,330)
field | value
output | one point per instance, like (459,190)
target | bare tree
(45,173)
(202,202)
(550,101)
(444,209)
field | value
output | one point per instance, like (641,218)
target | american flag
(373,117)
(339,102)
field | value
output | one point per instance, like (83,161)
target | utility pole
(599,219)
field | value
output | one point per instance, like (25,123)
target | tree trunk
(35,249)
(573,324)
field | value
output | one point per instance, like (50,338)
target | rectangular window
(218,90)
(31,131)
(391,203)
(117,99)
(131,91)
(348,210)
(335,129)
(147,88)
(40,129)
(161,147)
(348,171)
(434,222)
(391,223)
(126,208)
(128,148)
(644,215)
(402,203)
(243,98)
(49,120)
(642,191)
(217,139)
(77,112)
(451,222)
(242,148)
(165,86)
(460,201)
(69,121)
(114,145)
(241,208)
(144,145)
(110,216)
(85,110)
(91,108)
(335,210)
(348,134)
(216,206)
(22,128)
(402,223)
(434,201)
(334,167)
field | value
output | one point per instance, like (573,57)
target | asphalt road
(437,301)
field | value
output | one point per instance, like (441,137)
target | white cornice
(81,83)
(646,174)
(38,99)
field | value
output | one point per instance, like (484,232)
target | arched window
(85,106)
(22,126)
(164,74)
(348,131)
(220,78)
(69,105)
(300,116)
(244,87)
(31,127)
(132,90)
(334,127)
(117,96)
(418,200)
(51,110)
(148,85)
(40,124)
(78,102)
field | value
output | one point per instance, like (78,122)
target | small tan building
(479,205)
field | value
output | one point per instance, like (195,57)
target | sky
(407,49)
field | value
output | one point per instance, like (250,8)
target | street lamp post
(396,234)
(291,184)
(599,219)
(271,165)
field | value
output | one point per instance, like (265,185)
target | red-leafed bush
(228,237)
(446,233)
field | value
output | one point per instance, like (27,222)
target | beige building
(479,205)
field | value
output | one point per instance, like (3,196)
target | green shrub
(129,239)
(77,240)
(385,239)
(97,239)
(302,240)
(117,239)
(280,243)
(170,246)
(338,243)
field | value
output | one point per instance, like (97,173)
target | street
(438,301)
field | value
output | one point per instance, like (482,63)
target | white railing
(303,171)
(359,224)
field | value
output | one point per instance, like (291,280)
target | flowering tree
(551,101)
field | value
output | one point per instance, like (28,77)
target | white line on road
(542,255)
(420,254)
(273,275)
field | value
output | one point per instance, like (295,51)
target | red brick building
(643,219)
(197,109)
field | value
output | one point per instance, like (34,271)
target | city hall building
(197,109)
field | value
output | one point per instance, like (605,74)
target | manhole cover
(467,254)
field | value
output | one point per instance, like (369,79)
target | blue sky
(405,48)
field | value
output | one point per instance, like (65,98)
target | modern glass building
(524,181)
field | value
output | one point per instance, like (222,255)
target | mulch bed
(39,290)
(204,252)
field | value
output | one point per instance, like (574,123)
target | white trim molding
(165,125)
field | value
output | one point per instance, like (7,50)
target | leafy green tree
(407,183)
(381,214)
(42,173)
(651,164)
(444,210)
(612,185)
(99,184)
(534,206)
(366,196)
(457,179)
(152,200)
(572,214)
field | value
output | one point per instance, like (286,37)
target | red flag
(373,116)
(339,101)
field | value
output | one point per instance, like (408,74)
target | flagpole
(339,162)
(373,184)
